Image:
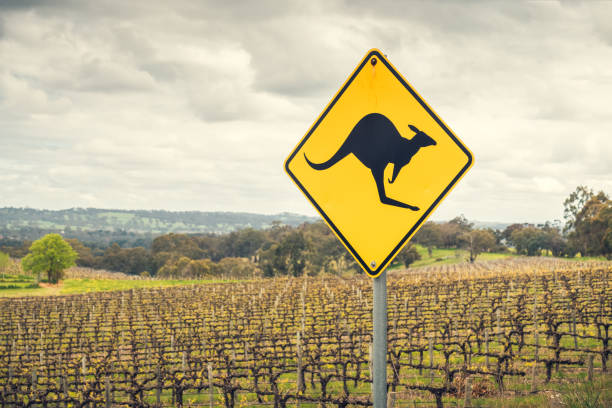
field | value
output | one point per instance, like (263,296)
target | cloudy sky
(194,105)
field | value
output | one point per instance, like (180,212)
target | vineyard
(455,332)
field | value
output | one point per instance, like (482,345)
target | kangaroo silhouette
(376,142)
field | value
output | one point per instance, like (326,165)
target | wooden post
(590,368)
(574,328)
(431,373)
(303,303)
(395,323)
(391,399)
(498,326)
(159,386)
(535,310)
(535,363)
(107,392)
(34,378)
(300,374)
(210,386)
(370,361)
(487,348)
(468,392)
(65,386)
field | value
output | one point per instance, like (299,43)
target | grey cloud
(195,105)
(244,10)
(22,4)
(458,30)
(161,70)
(600,14)
(106,76)
(563,152)
(449,17)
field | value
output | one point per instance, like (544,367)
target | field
(442,256)
(86,280)
(515,332)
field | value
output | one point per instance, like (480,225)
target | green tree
(185,268)
(324,252)
(241,244)
(452,231)
(238,268)
(552,240)
(288,257)
(128,260)
(478,241)
(592,232)
(408,255)
(49,254)
(507,233)
(180,244)
(529,240)
(574,204)
(430,235)
(86,257)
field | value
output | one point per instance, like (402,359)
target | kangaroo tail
(339,155)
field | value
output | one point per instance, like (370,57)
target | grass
(21,286)
(596,394)
(571,394)
(444,256)
(18,285)
(449,256)
(587,258)
(72,286)
(593,394)
(529,401)
(17,282)
(27,292)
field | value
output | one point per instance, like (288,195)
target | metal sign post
(379,348)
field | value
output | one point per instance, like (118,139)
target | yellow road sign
(377,162)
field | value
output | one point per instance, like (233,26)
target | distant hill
(139,221)
(100,227)
(493,225)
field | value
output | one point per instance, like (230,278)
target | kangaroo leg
(379,178)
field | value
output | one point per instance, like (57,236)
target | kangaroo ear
(414,128)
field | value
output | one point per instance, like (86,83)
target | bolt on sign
(377,162)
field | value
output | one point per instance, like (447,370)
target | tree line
(311,248)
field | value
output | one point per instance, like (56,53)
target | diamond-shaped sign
(377,162)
